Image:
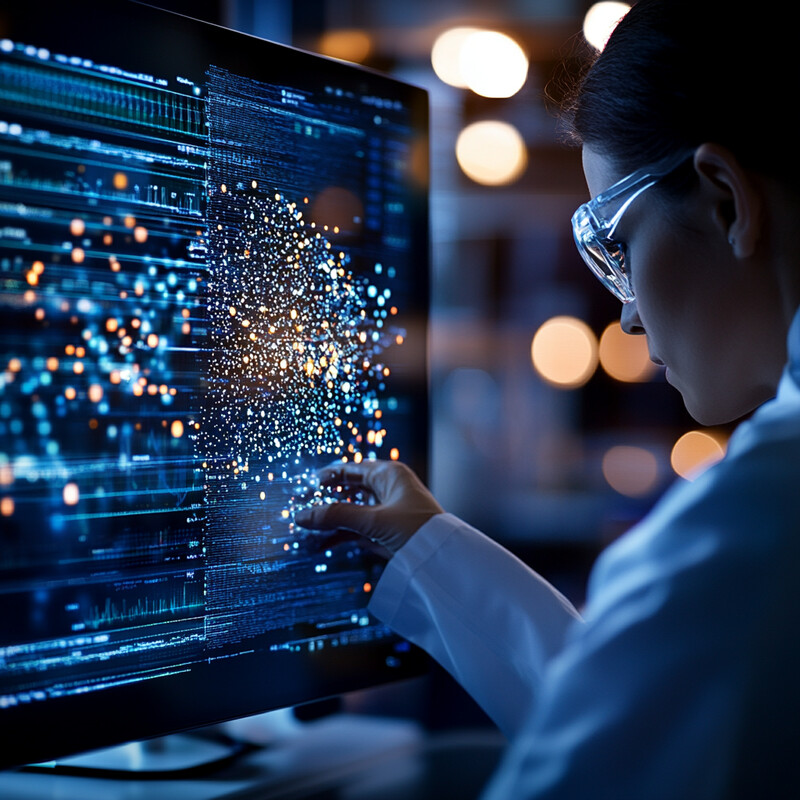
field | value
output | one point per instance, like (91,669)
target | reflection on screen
(203,282)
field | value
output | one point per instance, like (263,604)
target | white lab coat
(682,678)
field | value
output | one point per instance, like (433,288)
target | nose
(629,319)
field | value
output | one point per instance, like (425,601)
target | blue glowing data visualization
(206,293)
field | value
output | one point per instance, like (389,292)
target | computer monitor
(213,281)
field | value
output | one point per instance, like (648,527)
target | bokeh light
(625,357)
(600,21)
(631,471)
(564,352)
(493,64)
(491,152)
(696,451)
(346,44)
(446,55)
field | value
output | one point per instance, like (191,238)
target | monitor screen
(213,281)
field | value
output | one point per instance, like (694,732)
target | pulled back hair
(677,73)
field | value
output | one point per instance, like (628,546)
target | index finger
(370,475)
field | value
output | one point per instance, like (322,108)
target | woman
(680,679)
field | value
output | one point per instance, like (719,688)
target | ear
(735,196)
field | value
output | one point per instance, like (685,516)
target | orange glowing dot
(39,313)
(37,267)
(80,352)
(52,364)
(70,349)
(223,188)
(78,255)
(7,506)
(393,310)
(108,239)
(71,494)
(138,391)
(114,264)
(152,340)
(140,233)
(186,328)
(30,296)
(138,289)
(70,393)
(176,429)
(185,313)
(77,227)
(129,221)
(108,221)
(95,393)
(136,323)
(115,376)
(286,547)
(32,278)
(173,391)
(15,365)
(367,587)
(394,454)
(93,423)
(163,389)
(152,389)
(120,181)
(77,367)
(111,324)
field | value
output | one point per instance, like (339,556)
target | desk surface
(345,757)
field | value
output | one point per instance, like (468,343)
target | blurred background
(551,430)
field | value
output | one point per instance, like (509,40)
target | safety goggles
(594,223)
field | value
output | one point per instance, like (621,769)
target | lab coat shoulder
(683,680)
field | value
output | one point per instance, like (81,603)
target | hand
(404,504)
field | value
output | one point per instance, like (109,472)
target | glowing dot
(95,393)
(564,352)
(632,471)
(625,357)
(120,181)
(77,367)
(493,64)
(254,184)
(32,278)
(111,324)
(78,255)
(114,264)
(367,587)
(14,365)
(77,227)
(70,393)
(129,221)
(176,429)
(115,377)
(232,311)
(52,364)
(140,233)
(152,340)
(600,21)
(285,513)
(7,506)
(394,454)
(696,451)
(71,494)
(37,267)
(223,188)
(491,152)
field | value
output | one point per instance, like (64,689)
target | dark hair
(677,73)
